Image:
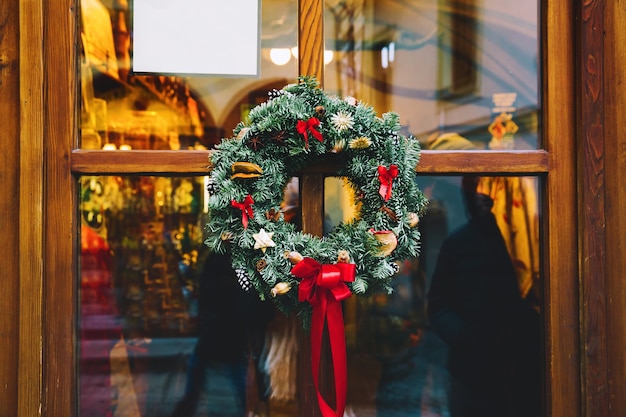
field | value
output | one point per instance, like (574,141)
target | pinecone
(275,93)
(211,186)
(243,279)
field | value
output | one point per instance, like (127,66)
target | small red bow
(386,176)
(323,286)
(310,125)
(246,209)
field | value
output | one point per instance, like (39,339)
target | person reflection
(223,364)
(475,306)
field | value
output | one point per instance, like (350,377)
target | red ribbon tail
(306,140)
(317,330)
(337,340)
(302,128)
(384,191)
(317,134)
(329,310)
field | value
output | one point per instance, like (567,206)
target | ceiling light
(280,56)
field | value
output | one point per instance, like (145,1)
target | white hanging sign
(196,37)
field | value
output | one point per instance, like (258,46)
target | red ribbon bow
(310,125)
(323,286)
(386,176)
(246,209)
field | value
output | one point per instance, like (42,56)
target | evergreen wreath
(298,126)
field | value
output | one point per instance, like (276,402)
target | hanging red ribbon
(323,286)
(386,176)
(310,125)
(246,209)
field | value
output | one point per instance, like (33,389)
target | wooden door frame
(614,192)
(60,230)
(561,317)
(600,93)
(9,206)
(31,205)
(48,288)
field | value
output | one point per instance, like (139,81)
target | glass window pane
(460,332)
(165,328)
(461,74)
(121,110)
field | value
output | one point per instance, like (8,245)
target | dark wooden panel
(197,162)
(615,165)
(61,262)
(561,318)
(9,205)
(592,231)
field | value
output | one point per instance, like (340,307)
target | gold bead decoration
(343,256)
(388,241)
(294,257)
(281,288)
(413,219)
(339,146)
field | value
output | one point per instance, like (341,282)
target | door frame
(50,165)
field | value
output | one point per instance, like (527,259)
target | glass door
(465,77)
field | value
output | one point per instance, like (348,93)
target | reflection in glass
(167,329)
(464,68)
(125,111)
(141,257)
(403,347)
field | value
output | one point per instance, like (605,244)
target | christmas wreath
(298,126)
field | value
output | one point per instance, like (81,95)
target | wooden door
(55,131)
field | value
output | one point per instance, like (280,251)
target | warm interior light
(280,56)
(109,147)
(388,54)
(328,56)
(384,57)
